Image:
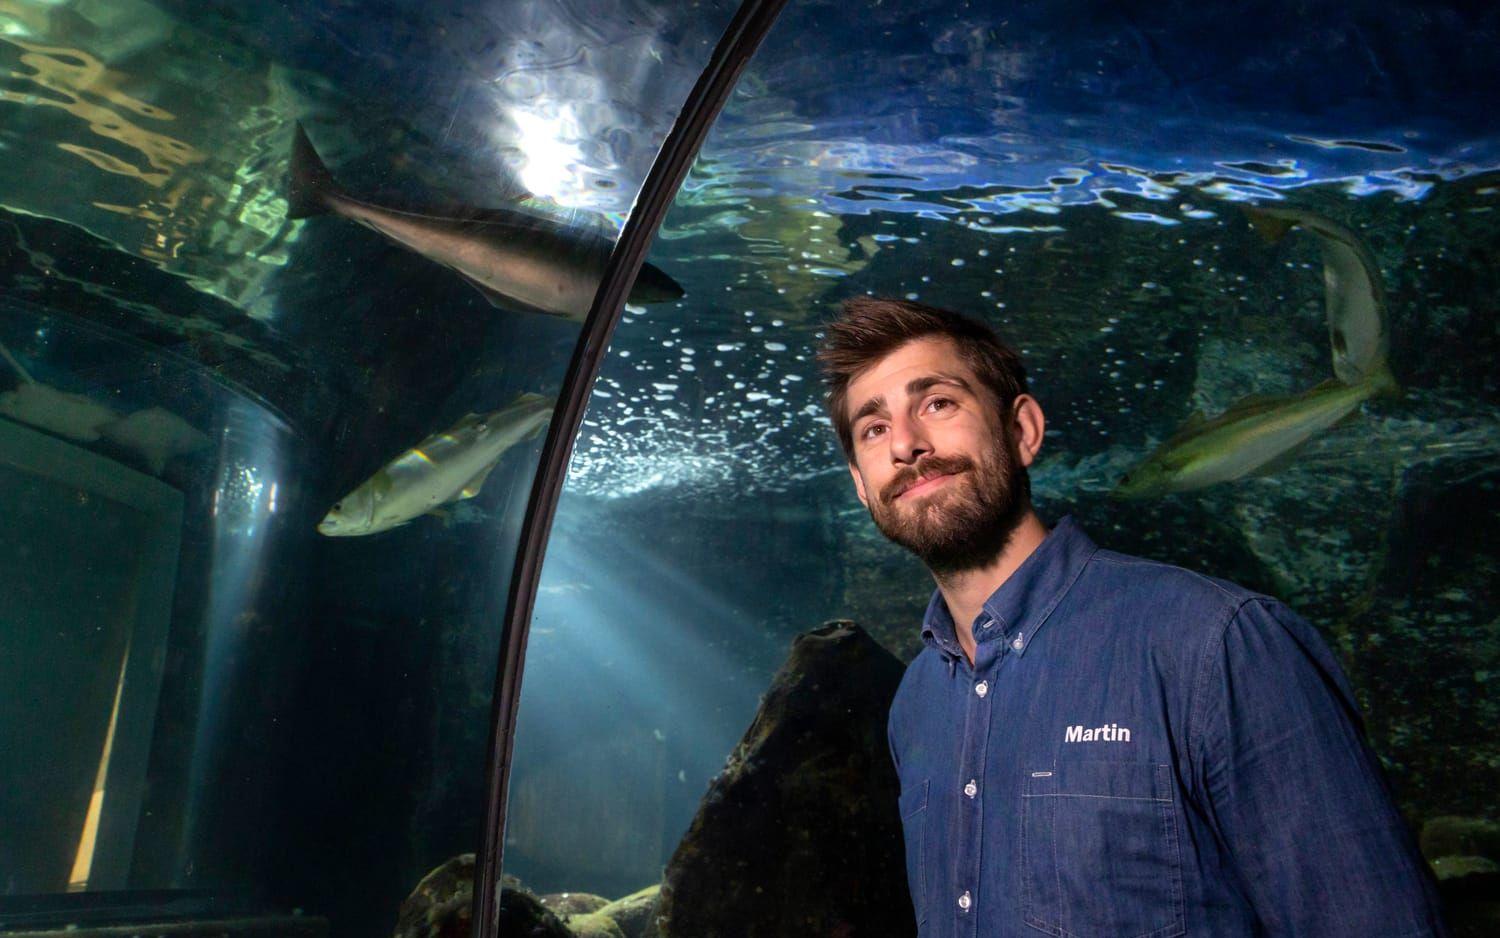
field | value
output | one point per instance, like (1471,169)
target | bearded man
(1092,744)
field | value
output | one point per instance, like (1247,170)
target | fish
(1354,292)
(1258,434)
(155,434)
(514,259)
(443,468)
(74,416)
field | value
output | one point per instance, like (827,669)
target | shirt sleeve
(1296,794)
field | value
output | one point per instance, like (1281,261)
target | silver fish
(1354,293)
(515,259)
(445,467)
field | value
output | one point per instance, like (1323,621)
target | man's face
(932,459)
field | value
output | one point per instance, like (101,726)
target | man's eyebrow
(913,387)
(917,385)
(872,406)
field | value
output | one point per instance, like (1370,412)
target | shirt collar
(1026,599)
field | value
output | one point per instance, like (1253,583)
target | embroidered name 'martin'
(1113,733)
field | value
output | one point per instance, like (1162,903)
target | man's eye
(871,430)
(939,403)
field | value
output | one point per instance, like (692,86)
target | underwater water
(252,675)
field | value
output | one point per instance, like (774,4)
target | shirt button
(1017,643)
(982,688)
(964,901)
(971,789)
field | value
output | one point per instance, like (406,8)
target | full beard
(966,524)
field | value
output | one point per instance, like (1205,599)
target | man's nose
(908,441)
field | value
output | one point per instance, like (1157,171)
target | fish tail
(311,183)
(1270,227)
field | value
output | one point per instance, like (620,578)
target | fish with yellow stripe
(1260,434)
(1255,436)
(443,468)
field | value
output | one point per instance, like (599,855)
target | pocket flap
(913,799)
(1138,780)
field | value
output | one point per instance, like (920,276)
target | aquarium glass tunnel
(419,512)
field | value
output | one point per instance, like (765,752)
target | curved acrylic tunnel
(287,294)
(740,40)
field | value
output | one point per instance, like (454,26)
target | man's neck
(966,592)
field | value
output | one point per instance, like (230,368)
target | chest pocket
(914,828)
(1099,853)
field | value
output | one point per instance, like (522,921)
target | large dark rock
(441,907)
(800,835)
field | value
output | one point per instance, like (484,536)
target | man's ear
(859,486)
(1029,426)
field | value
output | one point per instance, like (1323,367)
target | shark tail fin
(311,180)
(1270,227)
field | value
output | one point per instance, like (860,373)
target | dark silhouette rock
(800,835)
(441,907)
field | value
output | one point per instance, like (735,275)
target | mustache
(931,466)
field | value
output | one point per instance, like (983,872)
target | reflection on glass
(221,707)
(1222,248)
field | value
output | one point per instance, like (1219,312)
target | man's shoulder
(929,664)
(1169,597)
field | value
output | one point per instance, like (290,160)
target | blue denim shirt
(1139,751)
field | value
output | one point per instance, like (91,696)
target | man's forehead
(936,356)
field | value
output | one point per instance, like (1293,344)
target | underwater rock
(594,925)
(1449,836)
(636,913)
(440,907)
(1449,869)
(573,903)
(799,835)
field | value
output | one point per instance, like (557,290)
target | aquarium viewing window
(71,810)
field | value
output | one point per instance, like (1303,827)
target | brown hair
(870,328)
